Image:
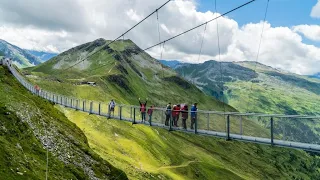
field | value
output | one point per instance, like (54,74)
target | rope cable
(259,47)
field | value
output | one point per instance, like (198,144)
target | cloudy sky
(291,40)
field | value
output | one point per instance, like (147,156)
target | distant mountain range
(44,56)
(316,76)
(21,58)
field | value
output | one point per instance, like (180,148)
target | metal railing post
(208,117)
(271,129)
(241,130)
(120,112)
(91,104)
(83,106)
(284,133)
(99,108)
(170,122)
(71,103)
(131,112)
(77,104)
(61,100)
(53,98)
(196,124)
(134,116)
(228,127)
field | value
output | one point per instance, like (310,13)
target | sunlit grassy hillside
(28,124)
(153,153)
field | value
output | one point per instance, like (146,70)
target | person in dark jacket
(150,111)
(184,115)
(193,114)
(168,114)
(143,108)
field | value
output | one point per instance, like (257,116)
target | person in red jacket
(184,114)
(143,109)
(175,114)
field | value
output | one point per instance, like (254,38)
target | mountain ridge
(20,57)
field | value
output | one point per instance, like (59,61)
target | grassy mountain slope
(28,124)
(20,57)
(125,74)
(154,153)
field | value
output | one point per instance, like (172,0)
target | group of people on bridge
(172,113)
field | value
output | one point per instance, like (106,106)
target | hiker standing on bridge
(112,105)
(176,114)
(143,107)
(193,114)
(184,115)
(150,111)
(168,114)
(37,88)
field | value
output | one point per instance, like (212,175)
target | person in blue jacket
(193,113)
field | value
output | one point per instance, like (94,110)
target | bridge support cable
(101,48)
(178,35)
(161,48)
(219,57)
(169,39)
(258,52)
(202,40)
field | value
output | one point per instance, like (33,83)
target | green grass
(25,123)
(154,153)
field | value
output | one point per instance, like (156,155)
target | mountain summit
(20,57)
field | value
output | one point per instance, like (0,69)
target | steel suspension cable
(101,48)
(245,4)
(259,47)
(162,42)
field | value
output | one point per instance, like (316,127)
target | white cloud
(315,13)
(311,32)
(56,29)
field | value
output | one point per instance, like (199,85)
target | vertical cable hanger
(204,33)
(221,92)
(161,48)
(258,53)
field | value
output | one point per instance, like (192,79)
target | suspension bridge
(234,128)
(249,127)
